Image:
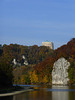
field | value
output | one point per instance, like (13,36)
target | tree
(33,77)
(6,76)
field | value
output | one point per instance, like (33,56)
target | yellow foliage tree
(22,79)
(45,79)
(33,77)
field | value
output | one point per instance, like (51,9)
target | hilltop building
(48,44)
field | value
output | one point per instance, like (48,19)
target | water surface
(46,93)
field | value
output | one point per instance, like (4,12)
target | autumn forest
(40,63)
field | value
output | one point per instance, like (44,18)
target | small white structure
(48,44)
(18,63)
(59,72)
(14,62)
(25,61)
(23,57)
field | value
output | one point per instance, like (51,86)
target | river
(45,93)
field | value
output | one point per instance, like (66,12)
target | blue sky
(29,22)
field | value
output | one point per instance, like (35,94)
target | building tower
(48,44)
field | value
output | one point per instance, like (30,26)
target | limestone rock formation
(14,62)
(59,72)
(25,61)
(18,63)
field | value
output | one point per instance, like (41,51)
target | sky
(31,22)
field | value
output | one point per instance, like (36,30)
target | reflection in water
(14,97)
(6,98)
(35,95)
(45,93)
(58,94)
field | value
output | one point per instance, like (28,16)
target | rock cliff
(59,72)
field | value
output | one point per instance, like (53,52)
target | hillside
(33,54)
(44,69)
(40,59)
(42,72)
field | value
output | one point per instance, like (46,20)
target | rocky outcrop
(59,72)
(24,61)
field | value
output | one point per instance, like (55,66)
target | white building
(48,44)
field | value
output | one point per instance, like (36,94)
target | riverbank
(15,92)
